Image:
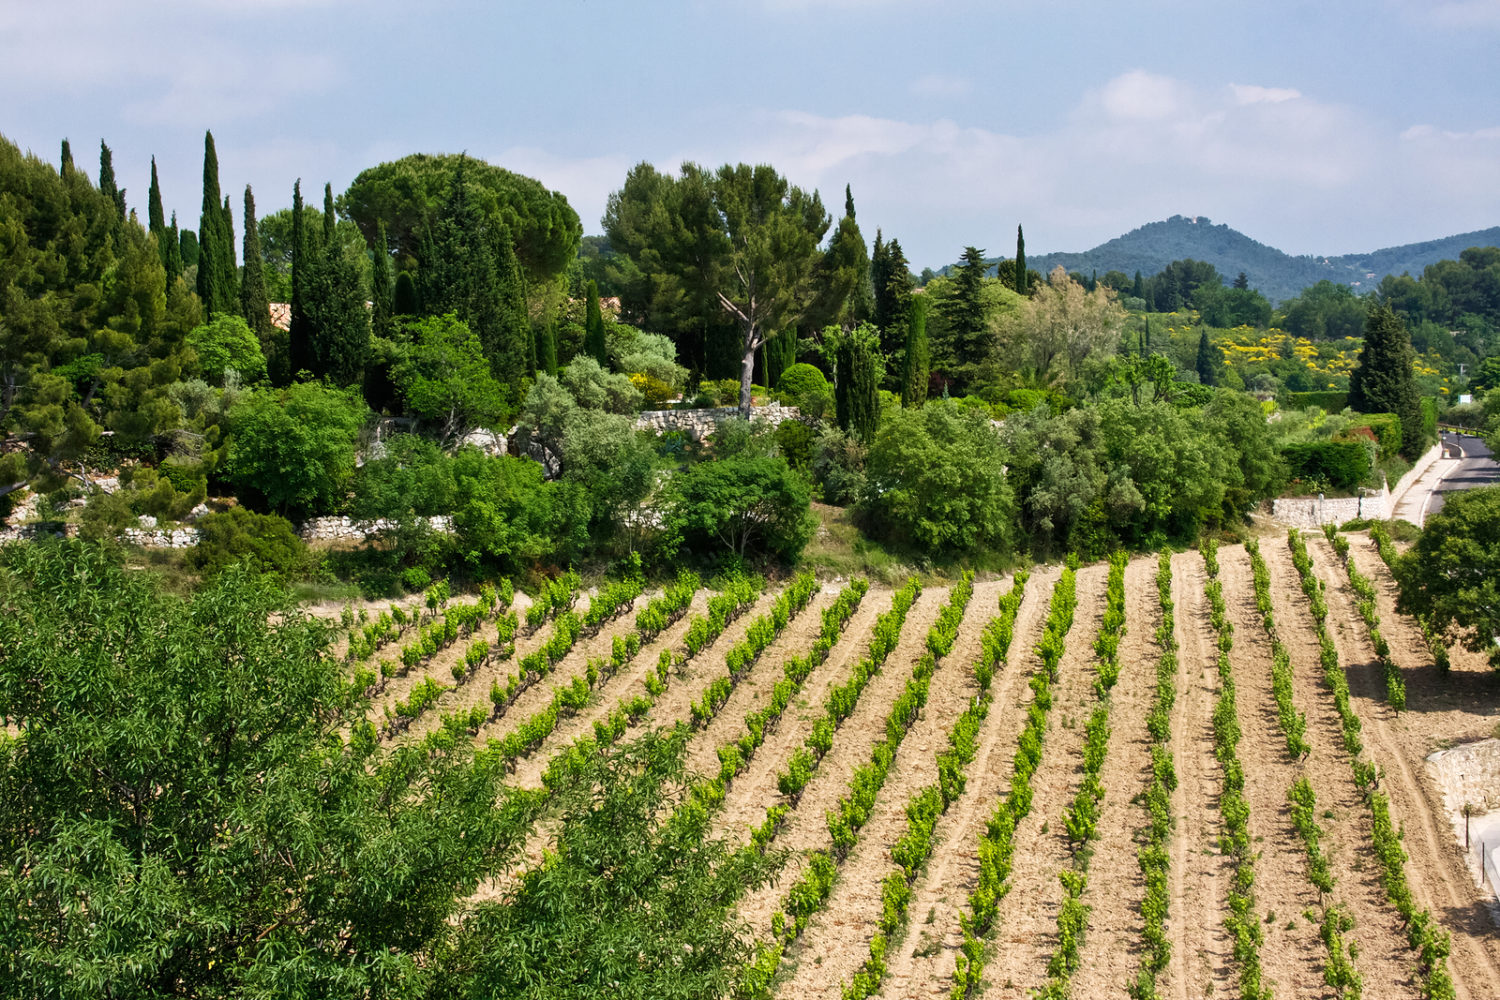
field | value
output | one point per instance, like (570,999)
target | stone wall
(699,424)
(344,529)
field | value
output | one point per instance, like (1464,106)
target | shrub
(1343,465)
(747,503)
(263,541)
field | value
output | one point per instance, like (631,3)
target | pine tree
(967,345)
(857,382)
(1020,261)
(254,303)
(593,327)
(65,165)
(1242,281)
(382,311)
(917,361)
(892,297)
(1384,380)
(1208,372)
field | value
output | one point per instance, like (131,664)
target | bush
(266,542)
(749,504)
(805,387)
(226,344)
(795,440)
(296,446)
(1333,402)
(936,479)
(1343,465)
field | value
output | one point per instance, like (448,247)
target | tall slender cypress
(254,302)
(65,161)
(857,389)
(216,278)
(1384,382)
(1020,260)
(593,327)
(107,185)
(299,338)
(382,312)
(547,349)
(917,362)
(1208,372)
(166,239)
(330,220)
(175,264)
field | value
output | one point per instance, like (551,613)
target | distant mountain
(1278,275)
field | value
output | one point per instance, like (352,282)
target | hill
(1278,275)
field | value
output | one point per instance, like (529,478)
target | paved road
(1477,468)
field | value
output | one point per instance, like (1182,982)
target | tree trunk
(747,374)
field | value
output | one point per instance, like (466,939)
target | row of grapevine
(1152,856)
(1081,817)
(1339,972)
(1422,934)
(1293,723)
(609,602)
(997,843)
(810,893)
(457,621)
(1387,549)
(926,806)
(761,633)
(1241,922)
(1364,592)
(553,598)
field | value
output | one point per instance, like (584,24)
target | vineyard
(1178,776)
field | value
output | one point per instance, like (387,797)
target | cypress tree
(107,185)
(547,351)
(880,270)
(188,245)
(382,312)
(65,166)
(1138,290)
(1384,382)
(781,354)
(333,305)
(330,220)
(857,389)
(156,220)
(301,357)
(593,327)
(174,251)
(892,297)
(404,299)
(1208,372)
(1146,338)
(254,303)
(915,375)
(1020,260)
(216,278)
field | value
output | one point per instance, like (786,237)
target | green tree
(969,343)
(166,240)
(547,349)
(593,327)
(216,278)
(746,504)
(65,160)
(445,378)
(300,350)
(107,185)
(637,898)
(916,371)
(1207,365)
(255,306)
(335,320)
(844,294)
(200,770)
(224,344)
(936,481)
(1451,576)
(1384,380)
(382,306)
(1021,263)
(858,374)
(295,447)
(892,281)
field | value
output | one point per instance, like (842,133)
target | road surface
(1477,467)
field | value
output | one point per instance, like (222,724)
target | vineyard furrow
(1383,960)
(754,689)
(626,683)
(1109,951)
(1026,925)
(1201,950)
(805,829)
(745,804)
(438,667)
(1438,877)
(841,937)
(922,965)
(1291,954)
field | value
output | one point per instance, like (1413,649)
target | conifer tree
(892,297)
(843,276)
(65,165)
(382,311)
(781,354)
(593,327)
(857,382)
(547,350)
(1138,290)
(917,368)
(301,357)
(107,185)
(166,240)
(254,302)
(333,305)
(1384,380)
(330,220)
(1208,372)
(173,242)
(967,344)
(216,277)
(1020,261)
(404,298)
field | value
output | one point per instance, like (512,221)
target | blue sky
(1317,128)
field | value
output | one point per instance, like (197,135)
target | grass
(838,548)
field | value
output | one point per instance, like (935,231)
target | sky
(1317,128)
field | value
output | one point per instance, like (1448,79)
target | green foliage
(1333,402)
(295,447)
(265,542)
(935,480)
(859,374)
(1342,465)
(1383,382)
(504,512)
(445,378)
(593,328)
(218,722)
(1451,577)
(747,504)
(227,344)
(217,285)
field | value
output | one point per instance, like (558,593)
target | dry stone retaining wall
(699,424)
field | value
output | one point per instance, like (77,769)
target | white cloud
(1142,96)
(1251,94)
